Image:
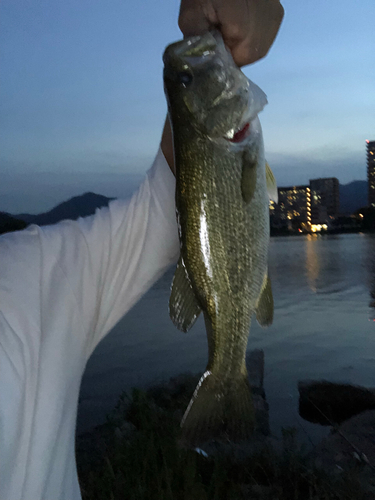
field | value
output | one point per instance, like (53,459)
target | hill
(353,196)
(9,223)
(78,206)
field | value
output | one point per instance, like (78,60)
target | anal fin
(183,306)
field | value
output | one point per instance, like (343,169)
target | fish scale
(222,212)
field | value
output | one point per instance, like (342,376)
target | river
(324,328)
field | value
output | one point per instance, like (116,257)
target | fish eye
(185,78)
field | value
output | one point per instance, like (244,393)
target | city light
(308,207)
(315,208)
(316,228)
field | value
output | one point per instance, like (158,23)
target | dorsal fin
(271,184)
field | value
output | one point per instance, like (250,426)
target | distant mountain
(9,223)
(79,206)
(353,196)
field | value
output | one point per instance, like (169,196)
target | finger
(192,18)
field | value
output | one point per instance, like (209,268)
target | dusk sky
(82,102)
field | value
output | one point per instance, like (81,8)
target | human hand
(248,27)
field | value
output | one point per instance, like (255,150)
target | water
(324,328)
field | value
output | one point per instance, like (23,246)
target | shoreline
(137,450)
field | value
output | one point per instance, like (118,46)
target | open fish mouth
(239,135)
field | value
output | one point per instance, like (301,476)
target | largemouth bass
(222,209)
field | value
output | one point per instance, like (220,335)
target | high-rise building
(307,208)
(325,199)
(370,146)
(294,206)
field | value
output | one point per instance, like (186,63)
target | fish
(223,186)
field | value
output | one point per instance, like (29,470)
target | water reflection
(324,269)
(312,262)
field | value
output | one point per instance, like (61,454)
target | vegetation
(136,456)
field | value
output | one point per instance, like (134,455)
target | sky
(82,101)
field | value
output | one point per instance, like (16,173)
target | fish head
(205,88)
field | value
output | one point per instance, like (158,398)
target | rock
(328,403)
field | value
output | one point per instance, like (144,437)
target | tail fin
(219,409)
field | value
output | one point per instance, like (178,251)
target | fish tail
(219,409)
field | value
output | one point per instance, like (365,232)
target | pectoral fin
(183,306)
(264,312)
(271,184)
(249,175)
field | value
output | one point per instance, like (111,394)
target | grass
(136,456)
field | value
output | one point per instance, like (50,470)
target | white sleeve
(94,269)
(62,288)
(140,243)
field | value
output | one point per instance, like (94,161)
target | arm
(93,269)
(144,243)
(62,288)
(129,246)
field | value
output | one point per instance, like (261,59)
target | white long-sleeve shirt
(62,288)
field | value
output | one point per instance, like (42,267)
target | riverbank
(136,455)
